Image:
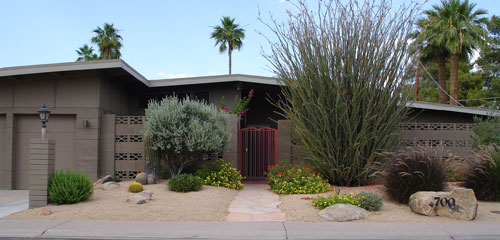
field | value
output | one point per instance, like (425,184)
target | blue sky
(161,39)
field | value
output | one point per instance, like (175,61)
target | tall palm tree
(229,36)
(427,48)
(86,53)
(109,41)
(461,29)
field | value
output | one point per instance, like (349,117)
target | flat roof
(72,66)
(119,63)
(213,79)
(451,108)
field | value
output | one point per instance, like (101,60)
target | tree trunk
(454,79)
(229,51)
(442,78)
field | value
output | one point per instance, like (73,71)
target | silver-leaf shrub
(185,131)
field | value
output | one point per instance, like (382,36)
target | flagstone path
(255,202)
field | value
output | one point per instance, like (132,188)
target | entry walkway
(255,202)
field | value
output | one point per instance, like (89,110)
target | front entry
(258,148)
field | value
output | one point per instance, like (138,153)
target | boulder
(150,179)
(343,212)
(140,198)
(110,185)
(105,179)
(142,178)
(460,203)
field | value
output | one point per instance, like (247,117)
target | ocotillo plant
(342,68)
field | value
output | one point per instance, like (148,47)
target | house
(97,112)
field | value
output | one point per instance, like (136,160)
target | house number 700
(445,201)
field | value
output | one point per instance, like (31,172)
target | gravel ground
(208,204)
(299,208)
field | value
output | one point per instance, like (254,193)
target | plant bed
(208,204)
(298,207)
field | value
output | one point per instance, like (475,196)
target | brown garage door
(2,152)
(60,127)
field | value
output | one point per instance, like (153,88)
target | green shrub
(135,187)
(286,179)
(164,173)
(116,178)
(487,131)
(321,202)
(411,170)
(370,201)
(221,174)
(69,187)
(184,132)
(340,70)
(185,183)
(208,168)
(484,173)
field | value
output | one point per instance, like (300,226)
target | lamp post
(44,117)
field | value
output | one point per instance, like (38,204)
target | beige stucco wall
(2,150)
(70,93)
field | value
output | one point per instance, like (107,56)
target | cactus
(142,178)
(135,187)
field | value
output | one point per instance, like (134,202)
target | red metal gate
(258,148)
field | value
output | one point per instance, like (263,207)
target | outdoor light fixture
(44,117)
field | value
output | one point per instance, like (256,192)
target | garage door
(2,152)
(60,128)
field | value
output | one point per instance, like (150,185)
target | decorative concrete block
(42,166)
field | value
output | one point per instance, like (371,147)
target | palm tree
(86,53)
(428,50)
(229,36)
(109,41)
(460,30)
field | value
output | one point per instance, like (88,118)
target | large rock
(343,212)
(464,207)
(110,185)
(140,198)
(142,178)
(105,179)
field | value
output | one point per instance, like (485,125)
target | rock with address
(343,212)
(140,198)
(460,203)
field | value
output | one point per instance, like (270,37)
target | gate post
(42,165)
(231,153)
(284,141)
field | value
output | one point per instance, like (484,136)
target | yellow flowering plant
(299,179)
(221,174)
(321,202)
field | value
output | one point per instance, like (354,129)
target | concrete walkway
(53,229)
(12,201)
(255,202)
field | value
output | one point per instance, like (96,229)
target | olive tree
(342,68)
(185,131)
